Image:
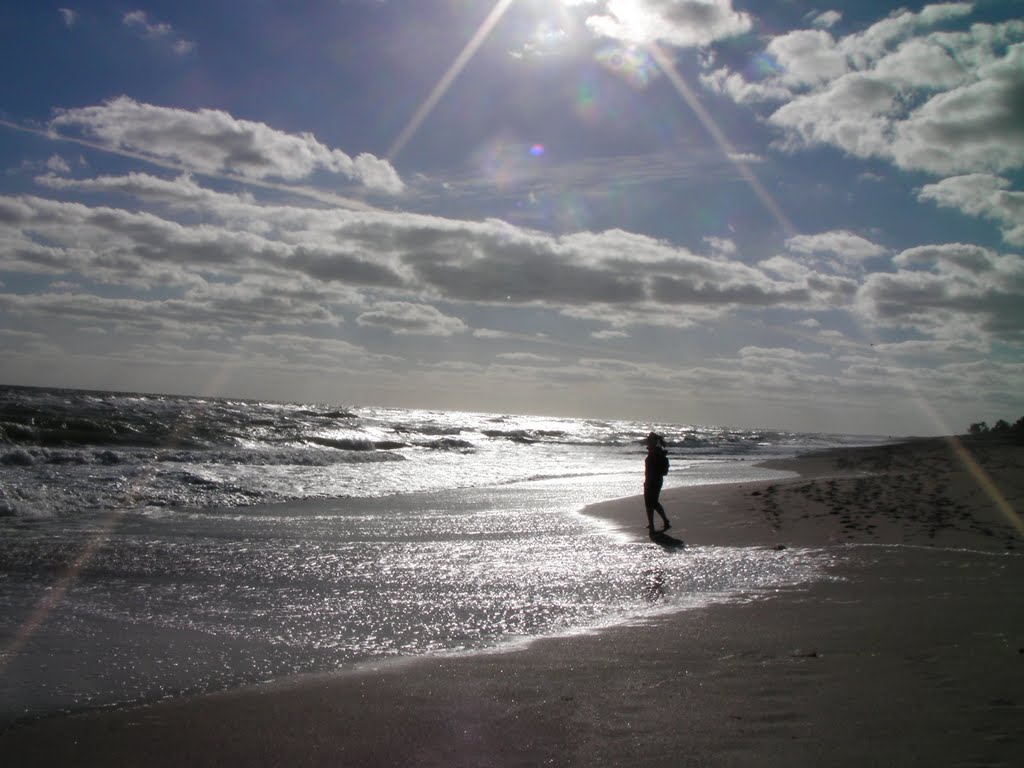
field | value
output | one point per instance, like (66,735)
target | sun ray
(439,90)
(686,93)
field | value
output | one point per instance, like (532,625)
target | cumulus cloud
(122,246)
(840,242)
(924,99)
(614,278)
(260,266)
(825,259)
(952,291)
(974,127)
(807,57)
(212,141)
(983,195)
(682,23)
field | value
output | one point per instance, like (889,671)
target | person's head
(654,440)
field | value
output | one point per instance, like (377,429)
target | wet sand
(912,653)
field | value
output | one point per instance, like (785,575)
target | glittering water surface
(178,601)
(152,545)
(64,453)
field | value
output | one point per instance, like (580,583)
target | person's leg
(655,504)
(649,503)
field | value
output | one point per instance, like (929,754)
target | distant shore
(912,653)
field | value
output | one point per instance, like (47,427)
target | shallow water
(179,601)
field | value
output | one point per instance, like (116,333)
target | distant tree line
(1001,427)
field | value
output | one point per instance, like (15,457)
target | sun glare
(488,24)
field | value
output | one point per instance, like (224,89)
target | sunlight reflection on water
(205,600)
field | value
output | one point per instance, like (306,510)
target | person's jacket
(656,464)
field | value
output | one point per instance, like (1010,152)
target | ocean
(154,546)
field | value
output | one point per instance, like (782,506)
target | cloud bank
(212,141)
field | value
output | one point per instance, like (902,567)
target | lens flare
(632,64)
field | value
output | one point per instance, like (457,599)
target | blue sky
(777,214)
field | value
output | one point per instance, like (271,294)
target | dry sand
(913,655)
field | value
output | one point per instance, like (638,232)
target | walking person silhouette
(655,469)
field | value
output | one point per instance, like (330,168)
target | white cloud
(769,358)
(807,57)
(309,348)
(331,255)
(826,19)
(58,164)
(743,91)
(69,16)
(212,141)
(525,358)
(402,317)
(139,20)
(929,349)
(683,23)
(745,157)
(489,333)
(840,242)
(853,114)
(252,268)
(817,259)
(721,245)
(975,127)
(156,30)
(982,195)
(197,313)
(934,101)
(951,291)
(972,126)
(609,334)
(182,191)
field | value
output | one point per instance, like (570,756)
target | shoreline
(927,491)
(898,659)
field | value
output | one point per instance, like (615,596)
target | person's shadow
(666,542)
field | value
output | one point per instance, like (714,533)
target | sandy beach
(910,653)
